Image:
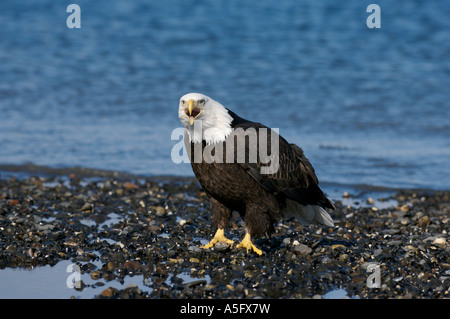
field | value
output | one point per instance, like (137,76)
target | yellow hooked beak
(192,112)
(190,108)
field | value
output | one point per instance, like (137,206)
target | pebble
(87,207)
(347,195)
(132,265)
(394,242)
(221,246)
(159,211)
(404,208)
(194,249)
(440,241)
(96,274)
(424,221)
(109,292)
(129,185)
(302,249)
(343,258)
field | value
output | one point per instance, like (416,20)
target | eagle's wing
(295,176)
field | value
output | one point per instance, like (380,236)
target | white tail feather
(309,214)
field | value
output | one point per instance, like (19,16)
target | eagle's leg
(218,237)
(256,223)
(247,244)
(220,216)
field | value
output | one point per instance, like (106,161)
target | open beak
(192,112)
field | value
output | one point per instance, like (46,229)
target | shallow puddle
(337,294)
(57,282)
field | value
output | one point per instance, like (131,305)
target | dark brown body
(259,208)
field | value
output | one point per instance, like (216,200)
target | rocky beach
(116,227)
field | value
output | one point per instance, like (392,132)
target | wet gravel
(115,228)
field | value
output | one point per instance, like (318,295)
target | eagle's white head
(204,118)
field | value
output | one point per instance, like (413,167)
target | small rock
(96,274)
(394,242)
(159,210)
(109,292)
(196,283)
(404,208)
(20,220)
(209,288)
(404,221)
(221,246)
(302,250)
(295,243)
(194,249)
(129,185)
(424,221)
(87,207)
(30,253)
(132,265)
(377,252)
(13,202)
(110,265)
(418,215)
(153,228)
(132,287)
(410,248)
(440,241)
(336,246)
(343,258)
(45,227)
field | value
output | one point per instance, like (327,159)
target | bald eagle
(263,187)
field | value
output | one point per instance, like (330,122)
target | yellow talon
(218,237)
(247,243)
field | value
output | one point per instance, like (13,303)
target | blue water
(368,106)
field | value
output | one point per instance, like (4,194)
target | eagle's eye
(183,102)
(201,102)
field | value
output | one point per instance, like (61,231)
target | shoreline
(120,226)
(23,171)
